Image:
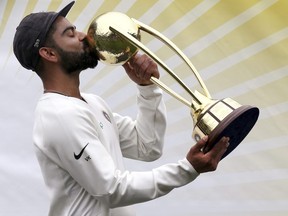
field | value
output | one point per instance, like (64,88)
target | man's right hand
(206,162)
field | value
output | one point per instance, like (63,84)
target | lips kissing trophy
(116,37)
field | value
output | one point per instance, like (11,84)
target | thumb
(201,143)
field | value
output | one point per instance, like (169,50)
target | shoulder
(54,110)
(55,104)
(58,118)
(96,102)
(93,99)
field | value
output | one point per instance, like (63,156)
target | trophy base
(236,126)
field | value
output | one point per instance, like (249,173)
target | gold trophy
(116,38)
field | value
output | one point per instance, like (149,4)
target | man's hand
(208,161)
(140,68)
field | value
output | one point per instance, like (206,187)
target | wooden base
(236,126)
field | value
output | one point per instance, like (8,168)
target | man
(80,143)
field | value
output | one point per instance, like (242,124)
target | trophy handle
(172,46)
(170,91)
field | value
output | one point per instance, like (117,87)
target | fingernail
(205,138)
(227,144)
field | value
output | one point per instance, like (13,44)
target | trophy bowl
(113,49)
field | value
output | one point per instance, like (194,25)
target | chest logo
(106,116)
(78,156)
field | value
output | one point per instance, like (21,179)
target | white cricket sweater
(80,148)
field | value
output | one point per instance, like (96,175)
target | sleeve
(71,131)
(143,138)
(137,187)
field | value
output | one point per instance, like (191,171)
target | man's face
(75,53)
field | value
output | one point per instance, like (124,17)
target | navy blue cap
(31,34)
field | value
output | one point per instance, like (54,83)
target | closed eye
(70,31)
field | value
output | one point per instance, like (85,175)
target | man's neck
(61,83)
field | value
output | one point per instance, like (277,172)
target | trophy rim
(234,127)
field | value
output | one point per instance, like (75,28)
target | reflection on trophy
(116,38)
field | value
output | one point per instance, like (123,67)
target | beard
(78,61)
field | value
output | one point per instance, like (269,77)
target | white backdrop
(240,50)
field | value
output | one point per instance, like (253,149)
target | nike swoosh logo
(78,156)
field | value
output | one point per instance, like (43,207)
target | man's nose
(81,35)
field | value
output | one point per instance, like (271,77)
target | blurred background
(240,51)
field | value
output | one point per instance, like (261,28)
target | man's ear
(48,54)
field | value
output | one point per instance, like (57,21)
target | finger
(201,143)
(139,65)
(133,58)
(137,60)
(220,148)
(127,66)
(152,70)
(147,69)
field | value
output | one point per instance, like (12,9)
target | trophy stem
(171,92)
